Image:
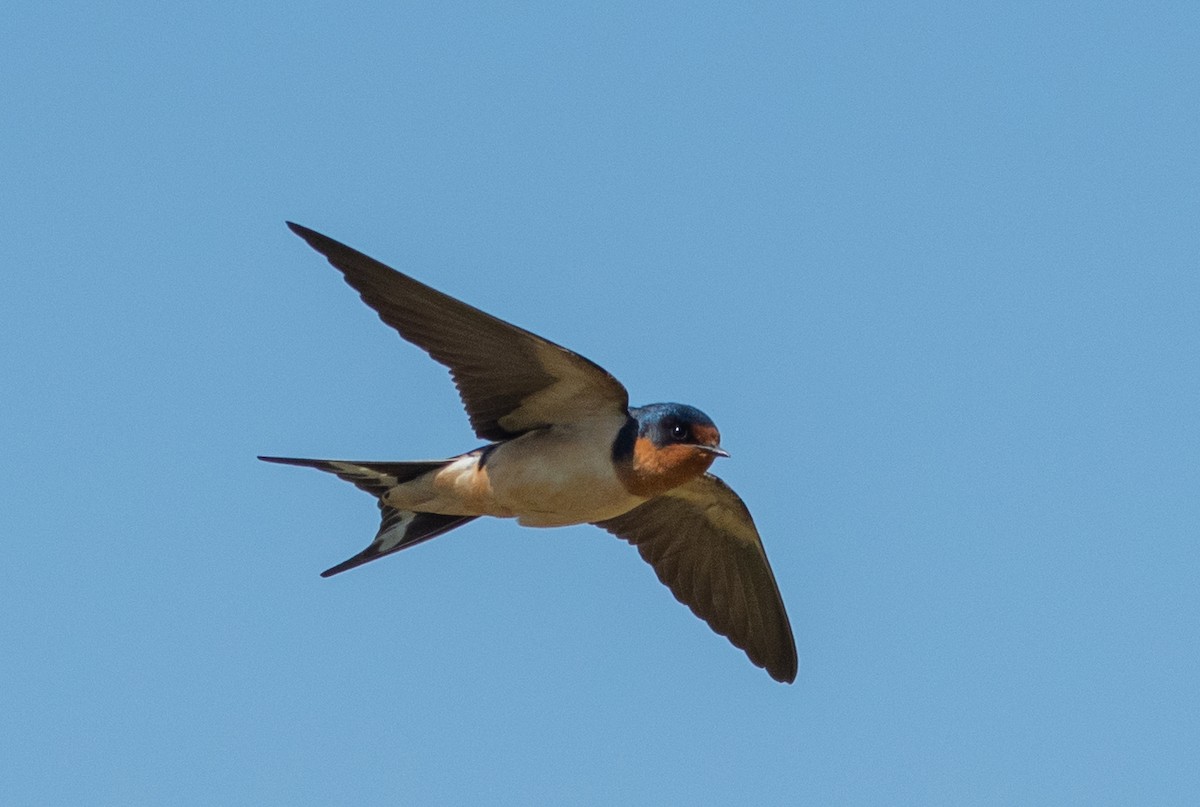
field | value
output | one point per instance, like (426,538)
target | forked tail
(398,529)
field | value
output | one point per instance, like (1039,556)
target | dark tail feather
(400,529)
(375,478)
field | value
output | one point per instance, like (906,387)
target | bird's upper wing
(511,381)
(704,546)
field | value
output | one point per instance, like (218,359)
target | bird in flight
(564,447)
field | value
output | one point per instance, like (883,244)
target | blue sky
(933,269)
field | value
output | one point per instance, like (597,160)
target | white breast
(560,475)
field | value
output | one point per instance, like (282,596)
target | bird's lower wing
(704,546)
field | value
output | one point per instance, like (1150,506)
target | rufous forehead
(706,435)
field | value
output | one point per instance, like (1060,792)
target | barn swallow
(564,447)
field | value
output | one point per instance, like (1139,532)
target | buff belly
(548,478)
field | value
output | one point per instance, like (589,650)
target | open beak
(720,452)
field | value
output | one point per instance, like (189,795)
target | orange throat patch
(654,470)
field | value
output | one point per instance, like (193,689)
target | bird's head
(673,444)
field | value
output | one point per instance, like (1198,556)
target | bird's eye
(679,431)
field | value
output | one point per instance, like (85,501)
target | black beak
(720,452)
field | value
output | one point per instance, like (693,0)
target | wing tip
(321,243)
(297,461)
(779,659)
(785,674)
(299,229)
